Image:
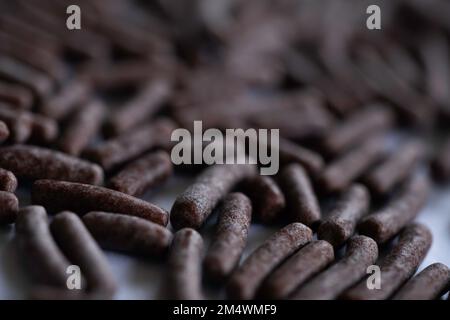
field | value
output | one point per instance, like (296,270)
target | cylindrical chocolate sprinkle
(81,249)
(304,264)
(15,95)
(132,235)
(8,181)
(139,108)
(9,207)
(246,280)
(310,160)
(340,173)
(13,70)
(144,173)
(40,163)
(71,96)
(4,131)
(184,266)
(398,266)
(396,168)
(440,164)
(230,237)
(435,50)
(19,123)
(81,198)
(132,144)
(429,284)
(82,127)
(341,223)
(266,196)
(357,127)
(42,256)
(403,208)
(300,197)
(43,129)
(361,252)
(195,204)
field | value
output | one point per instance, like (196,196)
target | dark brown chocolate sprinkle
(132,144)
(15,95)
(82,127)
(142,174)
(19,123)
(43,129)
(246,280)
(301,199)
(396,168)
(17,72)
(9,207)
(195,204)
(230,237)
(42,256)
(81,249)
(4,131)
(124,233)
(310,160)
(304,264)
(71,96)
(398,266)
(29,125)
(267,199)
(356,128)
(340,173)
(40,163)
(142,106)
(185,266)
(403,208)
(431,283)
(8,181)
(81,198)
(361,252)
(341,222)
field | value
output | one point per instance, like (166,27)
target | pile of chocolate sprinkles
(86,118)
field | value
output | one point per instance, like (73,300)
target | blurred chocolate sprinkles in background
(86,118)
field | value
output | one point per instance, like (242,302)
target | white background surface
(141,279)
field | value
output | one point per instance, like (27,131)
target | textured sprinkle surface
(40,163)
(141,175)
(230,236)
(128,234)
(42,256)
(398,266)
(129,145)
(361,252)
(341,222)
(185,266)
(82,198)
(81,249)
(338,175)
(301,199)
(429,284)
(268,200)
(8,181)
(304,264)
(195,204)
(245,281)
(386,223)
